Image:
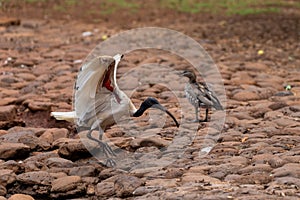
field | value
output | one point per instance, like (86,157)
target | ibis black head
(190,74)
(151,102)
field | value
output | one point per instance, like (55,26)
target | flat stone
(256,67)
(7,177)
(83,171)
(3,192)
(245,96)
(289,169)
(34,142)
(21,197)
(59,162)
(164,183)
(12,165)
(50,135)
(277,105)
(39,105)
(9,21)
(13,150)
(288,181)
(295,108)
(147,142)
(73,150)
(7,112)
(35,177)
(198,177)
(16,132)
(125,185)
(255,168)
(65,184)
(105,189)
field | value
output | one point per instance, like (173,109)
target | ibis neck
(140,112)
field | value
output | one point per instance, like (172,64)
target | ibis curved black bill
(152,102)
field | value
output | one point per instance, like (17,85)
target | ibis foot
(110,163)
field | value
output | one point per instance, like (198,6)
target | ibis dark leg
(105,148)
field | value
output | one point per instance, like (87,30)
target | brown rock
(254,178)
(174,173)
(295,108)
(83,171)
(59,162)
(246,96)
(288,181)
(7,112)
(273,115)
(12,165)
(16,132)
(7,21)
(73,150)
(125,185)
(7,177)
(26,76)
(39,105)
(198,177)
(3,191)
(164,183)
(256,67)
(34,142)
(35,177)
(289,169)
(277,105)
(286,122)
(255,168)
(105,189)
(148,142)
(50,135)
(65,184)
(3,132)
(13,150)
(21,197)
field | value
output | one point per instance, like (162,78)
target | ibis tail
(68,116)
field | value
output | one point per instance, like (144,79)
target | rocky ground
(256,156)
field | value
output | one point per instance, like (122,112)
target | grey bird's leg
(196,113)
(206,115)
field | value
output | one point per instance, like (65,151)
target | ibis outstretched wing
(95,86)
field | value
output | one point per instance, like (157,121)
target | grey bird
(98,100)
(200,95)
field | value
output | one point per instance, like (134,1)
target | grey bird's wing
(206,95)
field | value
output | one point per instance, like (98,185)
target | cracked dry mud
(256,156)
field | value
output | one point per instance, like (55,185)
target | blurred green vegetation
(230,7)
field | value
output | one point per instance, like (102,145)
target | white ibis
(98,99)
(200,95)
